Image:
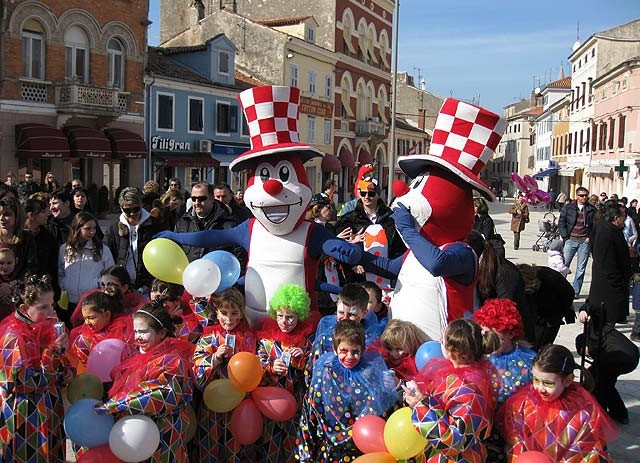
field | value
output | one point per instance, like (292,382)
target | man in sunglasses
(575,225)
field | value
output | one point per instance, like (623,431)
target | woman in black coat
(483,222)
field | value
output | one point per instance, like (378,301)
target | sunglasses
(370,194)
(583,196)
(131,210)
(199,198)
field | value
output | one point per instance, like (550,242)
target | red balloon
(377,457)
(368,434)
(246,422)
(533,456)
(275,403)
(103,454)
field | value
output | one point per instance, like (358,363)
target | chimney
(421,118)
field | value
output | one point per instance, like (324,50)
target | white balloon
(201,278)
(134,438)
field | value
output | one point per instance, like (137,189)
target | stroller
(547,232)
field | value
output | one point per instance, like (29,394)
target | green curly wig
(291,297)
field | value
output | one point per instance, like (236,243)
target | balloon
(275,403)
(105,356)
(543,196)
(84,426)
(426,352)
(165,260)
(193,423)
(368,434)
(103,454)
(85,386)
(245,371)
(134,438)
(246,422)
(229,267)
(401,438)
(518,181)
(222,396)
(533,456)
(201,278)
(530,182)
(377,457)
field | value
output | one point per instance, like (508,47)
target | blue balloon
(228,265)
(84,426)
(429,350)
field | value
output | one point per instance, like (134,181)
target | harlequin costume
(159,384)
(32,410)
(570,429)
(130,303)
(215,442)
(456,413)
(279,437)
(337,397)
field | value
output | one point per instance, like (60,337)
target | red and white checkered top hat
(464,138)
(272,115)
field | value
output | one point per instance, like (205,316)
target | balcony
(371,128)
(77,98)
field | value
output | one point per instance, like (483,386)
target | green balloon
(85,386)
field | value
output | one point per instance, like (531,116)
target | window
(223,63)
(293,75)
(196,107)
(164,114)
(33,50)
(245,126)
(226,118)
(612,131)
(621,129)
(311,34)
(327,132)
(328,88)
(311,129)
(115,57)
(76,54)
(312,82)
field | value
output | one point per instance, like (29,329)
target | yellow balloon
(222,396)
(165,260)
(401,438)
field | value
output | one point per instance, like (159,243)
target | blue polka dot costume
(512,371)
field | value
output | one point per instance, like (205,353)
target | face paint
(353,312)
(550,386)
(349,354)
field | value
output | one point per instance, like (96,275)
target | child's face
(145,336)
(95,319)
(374,304)
(349,354)
(550,386)
(287,320)
(88,230)
(41,309)
(397,355)
(229,317)
(353,312)
(7,264)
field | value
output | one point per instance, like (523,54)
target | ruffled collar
(270,330)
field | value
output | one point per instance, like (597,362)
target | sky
(491,52)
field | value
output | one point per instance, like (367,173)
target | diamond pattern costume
(32,411)
(159,384)
(83,338)
(457,412)
(215,442)
(571,429)
(279,437)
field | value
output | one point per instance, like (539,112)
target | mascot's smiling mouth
(277,214)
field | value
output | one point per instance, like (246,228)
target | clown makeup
(349,354)
(345,312)
(145,336)
(287,320)
(229,317)
(397,355)
(550,386)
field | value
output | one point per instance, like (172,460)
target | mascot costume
(436,277)
(282,246)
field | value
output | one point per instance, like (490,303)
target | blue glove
(342,251)
(166,234)
(402,218)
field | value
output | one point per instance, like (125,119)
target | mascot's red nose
(273,187)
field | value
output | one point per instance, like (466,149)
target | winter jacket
(82,273)
(568,217)
(218,219)
(556,262)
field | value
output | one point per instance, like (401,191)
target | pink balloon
(368,434)
(102,454)
(275,403)
(246,422)
(530,182)
(543,196)
(518,181)
(105,356)
(533,456)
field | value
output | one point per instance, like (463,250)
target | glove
(402,218)
(342,251)
(166,234)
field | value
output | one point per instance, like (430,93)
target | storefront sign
(169,144)
(314,107)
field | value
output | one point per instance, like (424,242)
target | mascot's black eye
(264,174)
(284,173)
(416,182)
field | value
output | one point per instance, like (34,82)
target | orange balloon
(245,371)
(376,457)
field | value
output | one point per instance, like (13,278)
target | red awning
(126,144)
(346,158)
(330,163)
(365,158)
(86,142)
(188,160)
(40,141)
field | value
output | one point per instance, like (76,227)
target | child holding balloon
(283,349)
(31,373)
(156,381)
(555,409)
(230,335)
(454,404)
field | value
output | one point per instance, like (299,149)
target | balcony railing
(88,96)
(34,91)
(369,128)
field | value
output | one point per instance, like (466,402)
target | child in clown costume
(346,384)
(454,404)
(556,415)
(156,381)
(212,353)
(170,294)
(283,349)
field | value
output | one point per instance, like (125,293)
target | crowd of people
(500,388)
